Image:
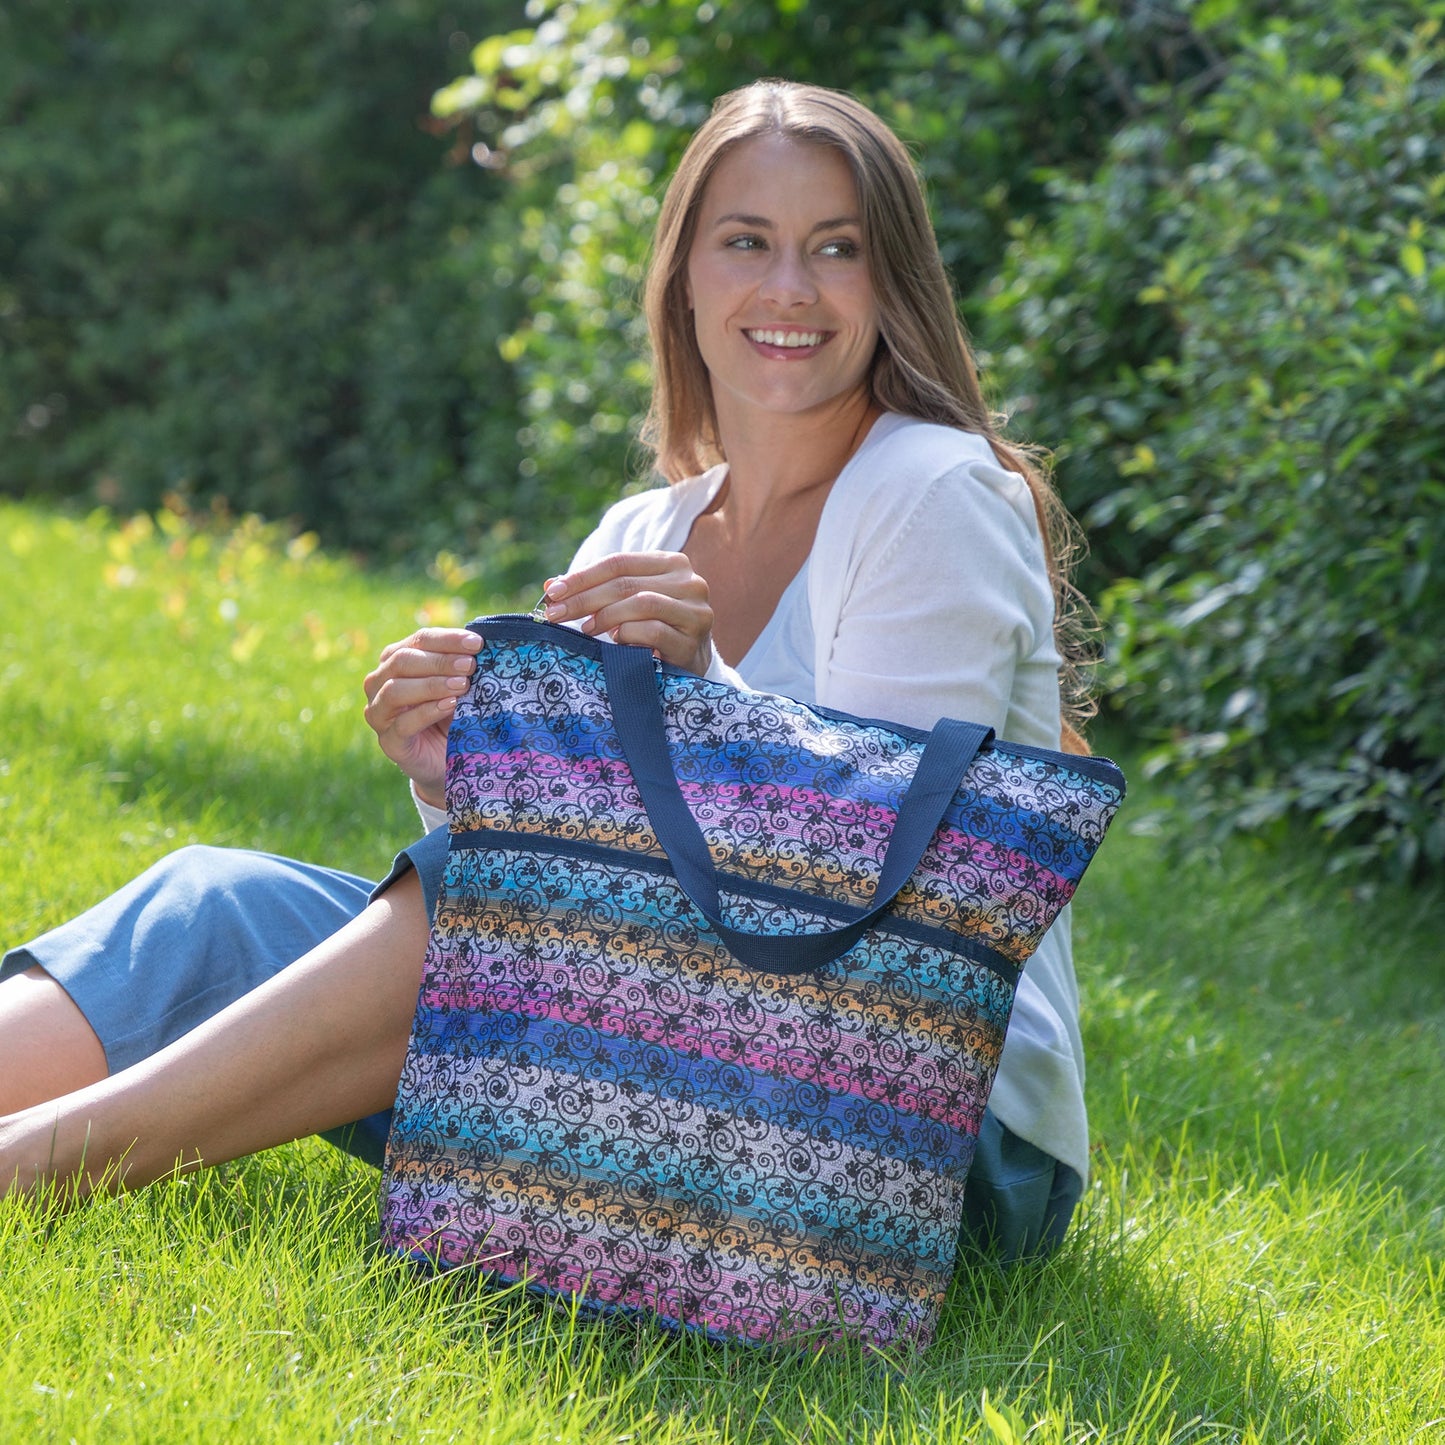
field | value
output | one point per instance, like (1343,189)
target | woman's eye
(842,248)
(746,243)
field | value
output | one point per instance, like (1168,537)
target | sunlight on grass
(1260,1256)
(186,681)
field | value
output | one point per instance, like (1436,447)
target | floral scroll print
(599,1099)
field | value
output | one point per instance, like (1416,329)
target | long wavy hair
(923,366)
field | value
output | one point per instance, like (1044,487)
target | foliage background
(246,256)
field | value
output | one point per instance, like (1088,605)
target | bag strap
(632,690)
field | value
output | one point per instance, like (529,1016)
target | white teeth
(787,338)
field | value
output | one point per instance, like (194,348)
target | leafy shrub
(1004,101)
(232,263)
(1232,327)
(1286,647)
(1067,331)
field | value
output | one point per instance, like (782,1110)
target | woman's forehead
(782,172)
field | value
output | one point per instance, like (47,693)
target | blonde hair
(923,367)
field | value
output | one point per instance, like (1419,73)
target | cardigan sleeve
(932,598)
(431,818)
(945,608)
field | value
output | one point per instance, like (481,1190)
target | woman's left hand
(649,599)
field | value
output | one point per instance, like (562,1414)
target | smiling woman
(843,525)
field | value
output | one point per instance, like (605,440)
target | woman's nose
(789,281)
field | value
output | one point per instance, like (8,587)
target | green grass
(1260,1257)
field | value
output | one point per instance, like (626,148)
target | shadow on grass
(1268,1012)
(1120,1334)
(1101,1337)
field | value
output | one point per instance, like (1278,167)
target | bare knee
(47,1046)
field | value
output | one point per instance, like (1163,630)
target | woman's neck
(786,458)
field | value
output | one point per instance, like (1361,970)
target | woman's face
(778,283)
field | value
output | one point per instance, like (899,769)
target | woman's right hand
(410,697)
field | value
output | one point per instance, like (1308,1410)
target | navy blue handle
(632,689)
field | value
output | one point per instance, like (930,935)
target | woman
(843,526)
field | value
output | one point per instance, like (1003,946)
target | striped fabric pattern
(601,1100)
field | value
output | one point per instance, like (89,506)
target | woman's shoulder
(926,446)
(906,464)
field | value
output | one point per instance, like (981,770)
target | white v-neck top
(925,595)
(781,657)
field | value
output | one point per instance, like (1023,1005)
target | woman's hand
(410,698)
(649,599)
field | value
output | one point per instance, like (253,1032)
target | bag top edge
(519,627)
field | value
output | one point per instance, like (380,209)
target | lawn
(1260,1255)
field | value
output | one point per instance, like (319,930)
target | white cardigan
(929,597)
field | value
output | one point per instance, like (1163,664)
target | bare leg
(319,1045)
(50,1049)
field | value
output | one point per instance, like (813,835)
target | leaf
(1000,1425)
(1209,13)
(1412,258)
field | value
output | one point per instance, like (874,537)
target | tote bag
(716,991)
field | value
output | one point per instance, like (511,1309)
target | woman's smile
(786,340)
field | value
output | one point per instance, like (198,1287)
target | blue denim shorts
(205,925)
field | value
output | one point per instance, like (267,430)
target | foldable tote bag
(716,991)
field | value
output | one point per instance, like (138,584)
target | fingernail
(463,664)
(554,610)
(457,684)
(555,588)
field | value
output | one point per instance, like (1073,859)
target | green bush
(233,264)
(1006,101)
(1065,326)
(1237,320)
(1286,646)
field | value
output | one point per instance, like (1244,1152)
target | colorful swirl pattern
(599,1099)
